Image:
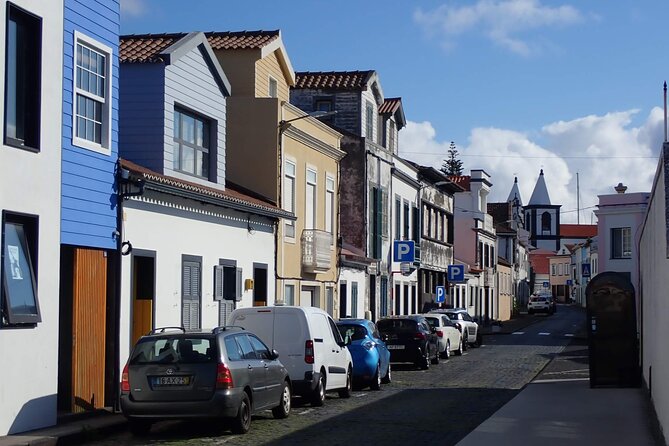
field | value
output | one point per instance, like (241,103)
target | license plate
(171,380)
(395,347)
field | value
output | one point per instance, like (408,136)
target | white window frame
(311,171)
(105,146)
(330,206)
(269,87)
(287,285)
(290,223)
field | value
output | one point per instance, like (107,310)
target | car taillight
(223,377)
(309,351)
(440,333)
(368,345)
(125,382)
(418,336)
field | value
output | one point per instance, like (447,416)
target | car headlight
(368,345)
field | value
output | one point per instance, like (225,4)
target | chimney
(620,188)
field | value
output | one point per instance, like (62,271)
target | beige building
(281,154)
(560,273)
(504,290)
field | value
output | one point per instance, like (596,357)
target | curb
(68,432)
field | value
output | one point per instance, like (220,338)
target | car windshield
(170,350)
(352,332)
(396,325)
(433,321)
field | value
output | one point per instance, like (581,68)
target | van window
(335,332)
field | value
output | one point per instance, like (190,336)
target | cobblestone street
(440,405)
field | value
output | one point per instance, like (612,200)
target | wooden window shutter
(218,283)
(238,288)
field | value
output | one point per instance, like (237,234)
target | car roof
(162,332)
(415,317)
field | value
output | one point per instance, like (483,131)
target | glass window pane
(85,81)
(102,64)
(177,124)
(205,164)
(20,289)
(97,137)
(187,159)
(81,128)
(198,132)
(98,111)
(89,130)
(188,128)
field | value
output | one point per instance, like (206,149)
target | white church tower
(542,219)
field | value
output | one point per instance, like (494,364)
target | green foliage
(452,165)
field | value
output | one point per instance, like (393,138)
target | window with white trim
(289,294)
(289,196)
(191,143)
(91,109)
(310,200)
(621,243)
(329,207)
(273,88)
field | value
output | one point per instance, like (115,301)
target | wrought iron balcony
(316,253)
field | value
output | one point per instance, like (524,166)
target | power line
(534,157)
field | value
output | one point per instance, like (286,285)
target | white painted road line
(543,333)
(545,381)
(305,412)
(569,335)
(518,332)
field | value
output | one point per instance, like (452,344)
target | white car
(540,304)
(310,345)
(448,335)
(465,323)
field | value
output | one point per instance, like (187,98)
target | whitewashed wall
(654,303)
(178,227)
(30,183)
(350,275)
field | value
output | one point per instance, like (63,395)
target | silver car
(223,373)
(449,338)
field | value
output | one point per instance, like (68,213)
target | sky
(573,87)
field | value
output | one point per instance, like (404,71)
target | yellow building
(281,154)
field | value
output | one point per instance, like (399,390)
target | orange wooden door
(142,296)
(89,329)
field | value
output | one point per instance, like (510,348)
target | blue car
(371,358)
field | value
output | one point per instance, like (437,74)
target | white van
(309,346)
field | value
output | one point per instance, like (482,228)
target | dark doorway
(259,284)
(343,298)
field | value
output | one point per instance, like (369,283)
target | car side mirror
(274,355)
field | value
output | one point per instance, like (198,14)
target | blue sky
(519,85)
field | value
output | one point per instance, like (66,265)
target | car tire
(424,361)
(318,395)
(242,422)
(435,359)
(461,348)
(376,380)
(388,378)
(447,353)
(479,340)
(283,409)
(139,428)
(465,340)
(346,391)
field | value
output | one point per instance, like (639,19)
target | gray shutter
(225,307)
(190,296)
(218,283)
(185,315)
(238,288)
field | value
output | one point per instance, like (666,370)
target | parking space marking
(569,335)
(543,333)
(307,411)
(359,395)
(518,332)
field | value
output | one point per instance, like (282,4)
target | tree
(452,165)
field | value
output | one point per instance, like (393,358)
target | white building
(30,178)
(654,258)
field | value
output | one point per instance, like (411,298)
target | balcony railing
(316,253)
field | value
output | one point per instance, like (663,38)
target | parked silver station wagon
(226,372)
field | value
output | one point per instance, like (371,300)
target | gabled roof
(540,193)
(577,231)
(168,48)
(333,80)
(461,180)
(228,198)
(393,106)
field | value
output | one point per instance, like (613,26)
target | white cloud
(604,150)
(133,8)
(501,21)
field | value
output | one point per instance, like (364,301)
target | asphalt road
(436,406)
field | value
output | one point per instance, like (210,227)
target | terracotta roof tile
(390,105)
(577,231)
(334,80)
(143,48)
(461,180)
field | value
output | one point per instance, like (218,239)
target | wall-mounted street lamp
(285,124)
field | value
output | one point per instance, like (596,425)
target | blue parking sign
(456,273)
(404,251)
(441,294)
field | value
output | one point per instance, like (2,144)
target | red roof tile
(390,105)
(334,80)
(142,48)
(461,180)
(578,231)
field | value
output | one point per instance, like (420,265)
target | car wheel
(479,340)
(424,361)
(318,396)
(461,348)
(376,380)
(447,352)
(465,340)
(346,392)
(242,422)
(435,359)
(388,378)
(283,409)
(139,427)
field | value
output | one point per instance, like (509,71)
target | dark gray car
(223,373)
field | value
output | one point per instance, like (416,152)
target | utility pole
(578,202)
